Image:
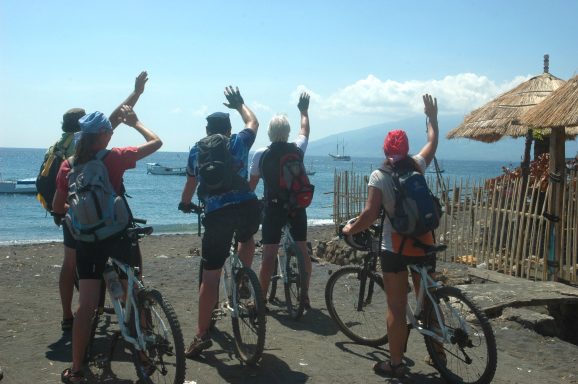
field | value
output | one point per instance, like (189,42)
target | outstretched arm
(431,111)
(303,106)
(235,101)
(139,85)
(153,142)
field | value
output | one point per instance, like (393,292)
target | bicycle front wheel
(296,281)
(357,303)
(469,355)
(163,360)
(249,316)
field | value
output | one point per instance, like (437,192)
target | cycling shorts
(394,262)
(91,258)
(275,219)
(69,240)
(240,221)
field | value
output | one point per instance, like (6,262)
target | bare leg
(208,296)
(396,290)
(305,253)
(89,292)
(66,281)
(267,266)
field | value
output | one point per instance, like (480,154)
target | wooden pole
(557,178)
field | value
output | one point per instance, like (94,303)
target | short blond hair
(279,129)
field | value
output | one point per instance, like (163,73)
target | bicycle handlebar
(190,208)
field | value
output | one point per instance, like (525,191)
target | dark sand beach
(33,349)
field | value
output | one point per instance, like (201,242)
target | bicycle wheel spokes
(363,324)
(163,360)
(469,354)
(296,284)
(249,321)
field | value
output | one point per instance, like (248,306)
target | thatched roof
(500,117)
(560,109)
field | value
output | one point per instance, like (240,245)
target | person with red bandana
(393,259)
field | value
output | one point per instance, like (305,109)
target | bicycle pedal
(218,314)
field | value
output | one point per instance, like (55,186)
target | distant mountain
(368,141)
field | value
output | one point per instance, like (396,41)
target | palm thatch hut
(558,112)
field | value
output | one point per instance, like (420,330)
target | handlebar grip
(139,221)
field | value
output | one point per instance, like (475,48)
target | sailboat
(310,171)
(343,156)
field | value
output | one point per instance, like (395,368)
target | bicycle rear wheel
(249,321)
(163,360)
(365,323)
(471,355)
(296,284)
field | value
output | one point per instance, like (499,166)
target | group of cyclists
(230,213)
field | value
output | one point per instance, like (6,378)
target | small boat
(343,156)
(310,171)
(157,169)
(18,186)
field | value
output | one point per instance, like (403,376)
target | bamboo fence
(500,226)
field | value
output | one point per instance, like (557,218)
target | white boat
(18,186)
(343,156)
(157,169)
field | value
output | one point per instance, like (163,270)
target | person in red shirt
(91,257)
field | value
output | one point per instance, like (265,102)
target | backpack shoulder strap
(261,160)
(100,155)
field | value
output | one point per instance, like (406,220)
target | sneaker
(198,345)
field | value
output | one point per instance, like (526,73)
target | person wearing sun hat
(394,259)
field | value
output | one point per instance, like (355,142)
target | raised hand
(430,106)
(234,98)
(128,116)
(140,81)
(303,104)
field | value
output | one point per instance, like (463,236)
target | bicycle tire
(273,285)
(164,341)
(368,326)
(456,308)
(296,284)
(249,324)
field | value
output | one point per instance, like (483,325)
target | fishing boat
(343,156)
(27,186)
(157,169)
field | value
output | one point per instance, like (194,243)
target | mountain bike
(458,335)
(148,323)
(290,268)
(242,301)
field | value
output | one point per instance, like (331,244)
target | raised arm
(235,101)
(303,106)
(153,142)
(431,111)
(139,85)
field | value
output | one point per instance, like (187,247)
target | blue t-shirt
(239,146)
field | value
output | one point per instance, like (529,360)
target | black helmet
(360,241)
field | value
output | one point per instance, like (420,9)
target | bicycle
(148,323)
(243,302)
(458,335)
(290,268)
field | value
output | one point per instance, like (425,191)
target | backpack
(417,210)
(286,180)
(46,179)
(95,211)
(215,163)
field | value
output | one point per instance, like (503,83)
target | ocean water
(155,198)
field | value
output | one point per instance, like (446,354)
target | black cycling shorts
(276,217)
(69,240)
(394,262)
(238,220)
(91,258)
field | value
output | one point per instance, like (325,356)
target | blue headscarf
(94,122)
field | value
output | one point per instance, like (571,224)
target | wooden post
(557,178)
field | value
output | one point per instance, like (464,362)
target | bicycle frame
(426,285)
(232,265)
(124,314)
(286,240)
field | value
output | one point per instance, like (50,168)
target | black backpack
(46,179)
(417,210)
(217,170)
(286,181)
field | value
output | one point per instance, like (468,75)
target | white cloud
(202,111)
(176,110)
(393,100)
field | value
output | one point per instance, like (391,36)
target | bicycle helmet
(360,241)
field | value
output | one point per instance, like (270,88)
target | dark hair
(85,148)
(407,163)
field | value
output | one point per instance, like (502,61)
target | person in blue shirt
(233,212)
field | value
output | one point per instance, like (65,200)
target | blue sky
(364,62)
